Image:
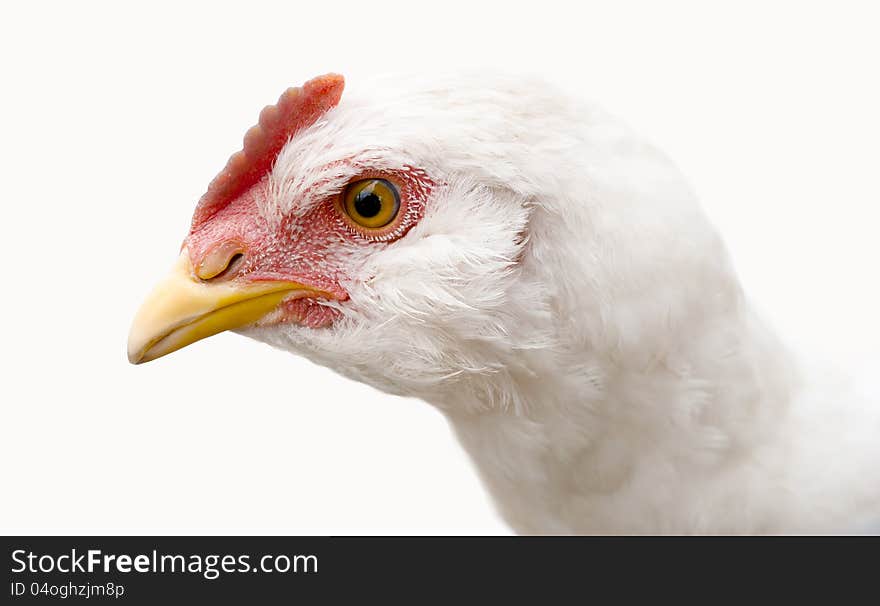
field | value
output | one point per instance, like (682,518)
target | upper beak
(183,309)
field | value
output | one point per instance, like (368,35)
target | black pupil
(367,204)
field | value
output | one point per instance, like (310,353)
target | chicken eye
(371,203)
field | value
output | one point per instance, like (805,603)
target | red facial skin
(320,248)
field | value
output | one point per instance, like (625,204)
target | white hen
(548,281)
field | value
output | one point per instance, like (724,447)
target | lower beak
(183,309)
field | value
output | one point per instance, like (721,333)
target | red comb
(297,108)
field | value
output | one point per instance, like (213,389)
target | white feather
(568,306)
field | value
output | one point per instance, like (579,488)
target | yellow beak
(183,309)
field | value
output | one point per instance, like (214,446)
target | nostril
(223,261)
(232,268)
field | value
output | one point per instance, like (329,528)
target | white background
(115,117)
